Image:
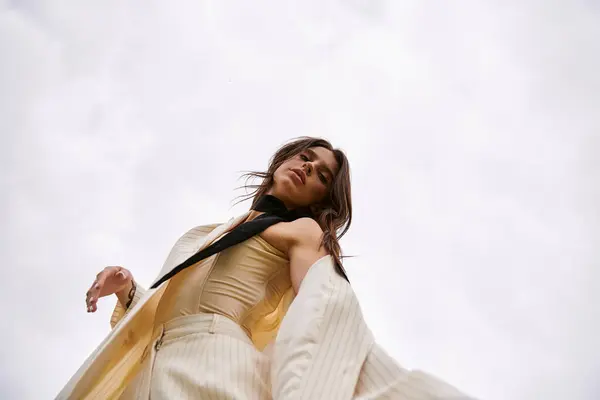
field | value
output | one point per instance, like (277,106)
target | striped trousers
(202,356)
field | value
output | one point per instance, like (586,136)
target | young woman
(204,328)
(235,291)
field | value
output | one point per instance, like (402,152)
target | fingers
(88,297)
(92,295)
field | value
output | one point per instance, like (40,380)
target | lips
(300,174)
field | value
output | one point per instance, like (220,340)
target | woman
(204,328)
(245,285)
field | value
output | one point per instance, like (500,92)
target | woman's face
(305,179)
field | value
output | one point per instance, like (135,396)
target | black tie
(274,211)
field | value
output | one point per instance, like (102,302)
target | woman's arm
(304,247)
(118,281)
(111,280)
(126,294)
(127,299)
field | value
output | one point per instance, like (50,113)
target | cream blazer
(323,348)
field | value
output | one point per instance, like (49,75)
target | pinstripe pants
(202,356)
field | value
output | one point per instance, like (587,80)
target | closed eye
(322,178)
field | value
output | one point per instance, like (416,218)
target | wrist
(126,294)
(124,290)
(131,293)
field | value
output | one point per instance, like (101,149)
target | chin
(287,190)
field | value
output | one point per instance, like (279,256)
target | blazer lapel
(181,253)
(136,323)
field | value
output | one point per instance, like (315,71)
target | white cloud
(471,129)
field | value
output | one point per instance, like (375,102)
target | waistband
(185,325)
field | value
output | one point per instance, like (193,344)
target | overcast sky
(472,129)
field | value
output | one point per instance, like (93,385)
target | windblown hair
(334,213)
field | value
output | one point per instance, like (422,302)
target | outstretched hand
(108,281)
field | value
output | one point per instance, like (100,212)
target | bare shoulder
(305,230)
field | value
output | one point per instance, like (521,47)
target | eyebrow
(314,155)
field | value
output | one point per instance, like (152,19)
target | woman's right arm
(118,281)
(125,296)
(127,299)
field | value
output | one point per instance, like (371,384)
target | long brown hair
(334,213)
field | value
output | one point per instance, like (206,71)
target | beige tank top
(245,283)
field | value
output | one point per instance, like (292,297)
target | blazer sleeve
(190,237)
(120,311)
(323,340)
(381,377)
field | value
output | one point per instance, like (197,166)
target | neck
(287,204)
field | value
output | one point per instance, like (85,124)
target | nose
(307,168)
